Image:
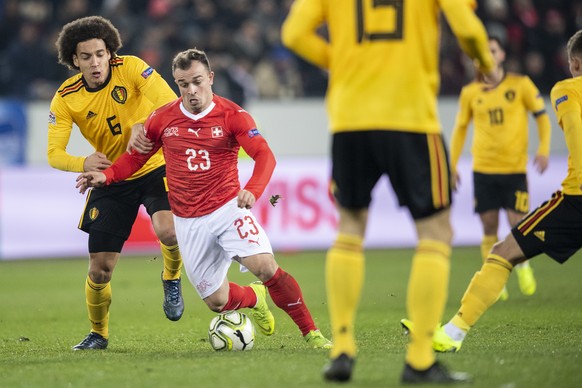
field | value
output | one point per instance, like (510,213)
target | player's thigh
(355,169)
(435,227)
(238,231)
(418,168)
(153,190)
(553,228)
(262,265)
(205,262)
(242,238)
(111,211)
(163,224)
(490,221)
(486,193)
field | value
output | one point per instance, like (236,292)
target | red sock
(286,294)
(240,297)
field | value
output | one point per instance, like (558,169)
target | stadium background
(39,207)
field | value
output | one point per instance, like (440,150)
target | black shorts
(113,209)
(554,228)
(416,164)
(500,191)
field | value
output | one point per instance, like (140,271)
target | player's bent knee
(99,276)
(167,237)
(263,265)
(510,250)
(215,305)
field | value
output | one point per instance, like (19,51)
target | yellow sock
(344,274)
(98,298)
(172,262)
(426,298)
(483,291)
(486,245)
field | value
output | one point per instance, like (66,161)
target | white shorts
(210,243)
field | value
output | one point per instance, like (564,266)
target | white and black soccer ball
(231,330)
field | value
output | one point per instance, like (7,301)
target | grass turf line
(525,342)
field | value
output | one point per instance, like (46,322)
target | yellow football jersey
(105,115)
(383,57)
(566,96)
(500,122)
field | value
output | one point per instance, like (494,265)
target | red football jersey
(201,153)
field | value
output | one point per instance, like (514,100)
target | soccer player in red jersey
(200,135)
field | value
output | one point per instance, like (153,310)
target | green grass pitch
(524,342)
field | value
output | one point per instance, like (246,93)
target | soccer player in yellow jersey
(382,58)
(554,228)
(499,149)
(110,95)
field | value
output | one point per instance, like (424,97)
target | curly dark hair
(81,30)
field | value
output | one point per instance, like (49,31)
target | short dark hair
(497,40)
(81,30)
(574,46)
(183,60)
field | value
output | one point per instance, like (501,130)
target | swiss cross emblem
(216,131)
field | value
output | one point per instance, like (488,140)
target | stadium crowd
(242,37)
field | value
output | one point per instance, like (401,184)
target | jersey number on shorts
(245,226)
(522,201)
(203,162)
(379,27)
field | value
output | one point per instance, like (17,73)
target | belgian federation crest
(510,95)
(119,94)
(93,213)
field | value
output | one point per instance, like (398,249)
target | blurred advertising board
(12,132)
(40,209)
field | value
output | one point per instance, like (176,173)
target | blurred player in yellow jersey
(500,146)
(109,97)
(553,228)
(382,58)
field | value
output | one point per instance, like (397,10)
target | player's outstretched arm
(90,179)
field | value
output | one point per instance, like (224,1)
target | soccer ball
(231,330)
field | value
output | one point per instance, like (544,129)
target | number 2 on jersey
(379,27)
(193,164)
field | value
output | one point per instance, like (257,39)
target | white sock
(454,332)
(525,264)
